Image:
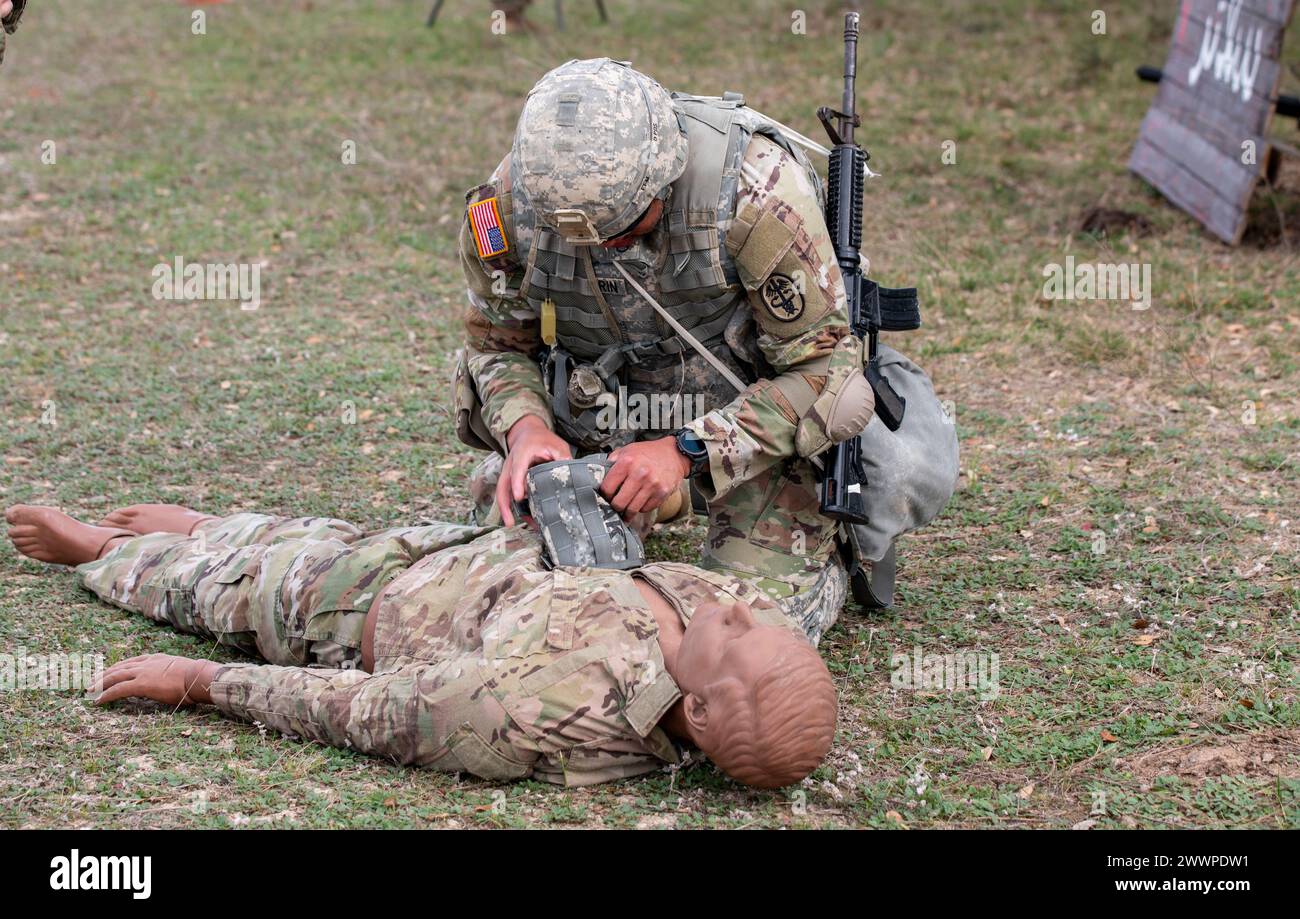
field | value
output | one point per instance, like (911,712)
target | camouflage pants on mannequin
(292,591)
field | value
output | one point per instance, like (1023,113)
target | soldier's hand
(644,475)
(6,7)
(164,678)
(529,442)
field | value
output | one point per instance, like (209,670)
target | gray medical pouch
(911,473)
(579,527)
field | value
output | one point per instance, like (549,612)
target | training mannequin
(452,647)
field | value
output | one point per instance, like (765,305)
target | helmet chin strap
(636,230)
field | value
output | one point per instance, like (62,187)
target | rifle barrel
(848,103)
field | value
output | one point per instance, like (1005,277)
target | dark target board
(1204,142)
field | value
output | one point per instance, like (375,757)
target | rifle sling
(680,329)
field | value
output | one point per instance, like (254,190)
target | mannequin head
(757,699)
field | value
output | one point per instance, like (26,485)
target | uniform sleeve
(783,254)
(502,336)
(417,715)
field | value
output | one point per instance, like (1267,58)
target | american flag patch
(485,221)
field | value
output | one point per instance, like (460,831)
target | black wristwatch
(691,447)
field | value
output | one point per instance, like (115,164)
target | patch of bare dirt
(1107,221)
(1274,755)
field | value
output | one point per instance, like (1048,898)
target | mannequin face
(757,700)
(723,652)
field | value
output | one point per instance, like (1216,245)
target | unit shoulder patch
(782,297)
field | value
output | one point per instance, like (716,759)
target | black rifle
(843,476)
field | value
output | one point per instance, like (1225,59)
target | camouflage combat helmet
(597,142)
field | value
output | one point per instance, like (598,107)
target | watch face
(690,446)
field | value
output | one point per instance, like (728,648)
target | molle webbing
(578,526)
(709,332)
(696,282)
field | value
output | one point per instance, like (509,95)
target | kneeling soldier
(672,249)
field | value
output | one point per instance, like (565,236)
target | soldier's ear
(696,711)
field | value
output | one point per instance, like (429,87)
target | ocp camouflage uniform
(743,259)
(291,591)
(485,661)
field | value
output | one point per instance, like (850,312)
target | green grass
(1077,419)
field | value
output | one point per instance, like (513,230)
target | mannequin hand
(162,677)
(644,474)
(529,443)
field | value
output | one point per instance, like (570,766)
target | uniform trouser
(817,607)
(292,591)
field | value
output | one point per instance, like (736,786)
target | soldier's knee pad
(844,407)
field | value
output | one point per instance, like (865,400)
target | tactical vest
(683,263)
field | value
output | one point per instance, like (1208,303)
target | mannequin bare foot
(156,518)
(49,535)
